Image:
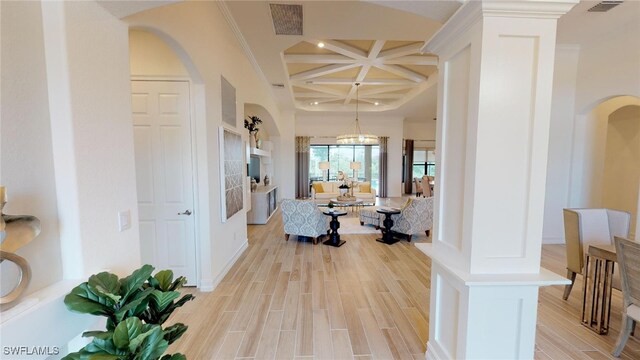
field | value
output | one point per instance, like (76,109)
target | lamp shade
(355,165)
(323,165)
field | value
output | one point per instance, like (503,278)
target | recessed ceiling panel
(324,78)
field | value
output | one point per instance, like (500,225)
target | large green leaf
(153,346)
(106,346)
(126,331)
(140,298)
(83,300)
(105,284)
(163,299)
(105,357)
(135,281)
(176,356)
(174,332)
(164,278)
(178,283)
(98,334)
(146,331)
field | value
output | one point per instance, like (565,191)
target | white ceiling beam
(414,60)
(373,54)
(344,49)
(386,89)
(322,71)
(320,88)
(317,59)
(404,72)
(383,96)
(349,81)
(316,95)
(401,51)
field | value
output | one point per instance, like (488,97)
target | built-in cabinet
(264,202)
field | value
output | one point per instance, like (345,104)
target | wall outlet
(124,220)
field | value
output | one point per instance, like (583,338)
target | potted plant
(330,206)
(251,124)
(136,308)
(343,188)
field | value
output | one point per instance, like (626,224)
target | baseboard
(432,353)
(210,285)
(553,240)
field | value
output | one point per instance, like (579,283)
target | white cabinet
(263,204)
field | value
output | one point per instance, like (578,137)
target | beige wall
(149,55)
(622,162)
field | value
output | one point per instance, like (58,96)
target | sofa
(330,190)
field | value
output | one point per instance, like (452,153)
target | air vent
(605,6)
(287,19)
(279,86)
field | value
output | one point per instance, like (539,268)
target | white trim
(210,285)
(222,6)
(433,353)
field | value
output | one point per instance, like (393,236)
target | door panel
(162,135)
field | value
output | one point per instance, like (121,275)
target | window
(424,163)
(340,158)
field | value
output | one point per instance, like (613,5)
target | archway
(621,177)
(589,147)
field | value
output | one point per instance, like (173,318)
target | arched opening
(589,150)
(621,177)
(168,97)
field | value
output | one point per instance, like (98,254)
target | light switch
(124,220)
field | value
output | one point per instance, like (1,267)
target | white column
(496,63)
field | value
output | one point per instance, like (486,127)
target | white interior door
(162,136)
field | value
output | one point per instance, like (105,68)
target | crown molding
(469,13)
(244,45)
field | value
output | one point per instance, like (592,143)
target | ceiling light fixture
(315,103)
(320,44)
(357,137)
(376,103)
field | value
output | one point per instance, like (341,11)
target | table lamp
(355,166)
(324,166)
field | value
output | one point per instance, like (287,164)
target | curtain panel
(384,140)
(408,166)
(303,146)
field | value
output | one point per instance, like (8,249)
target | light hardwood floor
(364,300)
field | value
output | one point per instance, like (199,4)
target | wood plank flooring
(364,300)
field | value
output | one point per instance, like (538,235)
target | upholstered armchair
(303,218)
(415,217)
(583,227)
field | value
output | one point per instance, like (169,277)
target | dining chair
(418,185)
(583,227)
(628,253)
(426,186)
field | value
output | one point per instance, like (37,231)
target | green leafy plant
(252,123)
(330,206)
(135,307)
(343,186)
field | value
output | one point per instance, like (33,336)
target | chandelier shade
(357,137)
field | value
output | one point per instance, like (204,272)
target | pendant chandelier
(357,137)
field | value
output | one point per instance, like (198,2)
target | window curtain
(384,140)
(303,146)
(408,166)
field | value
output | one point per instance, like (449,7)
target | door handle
(186,212)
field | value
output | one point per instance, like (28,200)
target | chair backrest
(583,227)
(628,253)
(426,186)
(416,181)
(301,207)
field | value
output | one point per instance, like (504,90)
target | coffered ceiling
(322,73)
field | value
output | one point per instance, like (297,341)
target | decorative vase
(256,141)
(254,185)
(343,191)
(252,140)
(267,181)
